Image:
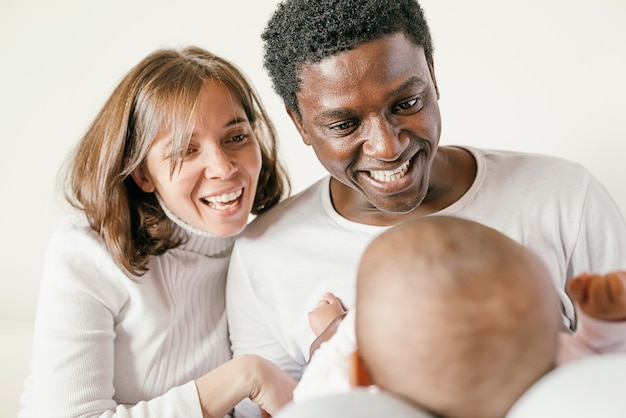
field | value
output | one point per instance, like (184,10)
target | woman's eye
(238,138)
(406,105)
(190,151)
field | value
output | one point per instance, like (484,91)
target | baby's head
(455,316)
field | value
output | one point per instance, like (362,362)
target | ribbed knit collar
(197,240)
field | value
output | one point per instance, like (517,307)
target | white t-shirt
(289,256)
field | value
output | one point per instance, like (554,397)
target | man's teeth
(391,175)
(224,201)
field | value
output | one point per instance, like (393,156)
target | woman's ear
(357,372)
(143,180)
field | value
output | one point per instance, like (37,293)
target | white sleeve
(327,371)
(592,336)
(179,402)
(601,244)
(248,328)
(73,351)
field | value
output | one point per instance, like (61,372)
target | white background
(544,76)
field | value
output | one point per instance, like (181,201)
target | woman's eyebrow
(237,121)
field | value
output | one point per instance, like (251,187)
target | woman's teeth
(391,175)
(224,201)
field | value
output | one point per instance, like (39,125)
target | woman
(131,317)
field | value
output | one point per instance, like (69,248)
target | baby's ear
(357,372)
(142,179)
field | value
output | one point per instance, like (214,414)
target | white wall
(538,75)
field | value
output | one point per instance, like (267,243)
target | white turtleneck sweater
(106,345)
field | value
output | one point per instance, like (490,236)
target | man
(358,80)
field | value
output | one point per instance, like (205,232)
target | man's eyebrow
(413,81)
(342,112)
(333,114)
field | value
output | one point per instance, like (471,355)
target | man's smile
(390,175)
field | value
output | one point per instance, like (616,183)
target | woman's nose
(218,164)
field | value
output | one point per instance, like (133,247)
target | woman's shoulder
(74,230)
(77,257)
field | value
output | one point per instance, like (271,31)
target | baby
(460,320)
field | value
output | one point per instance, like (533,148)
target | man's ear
(297,120)
(357,372)
(142,179)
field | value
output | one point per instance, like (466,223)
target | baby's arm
(600,296)
(324,319)
(328,370)
(325,312)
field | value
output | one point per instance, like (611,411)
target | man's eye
(342,127)
(409,104)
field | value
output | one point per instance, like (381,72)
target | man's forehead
(389,57)
(337,84)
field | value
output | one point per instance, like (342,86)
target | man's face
(372,118)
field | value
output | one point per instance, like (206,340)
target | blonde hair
(157,96)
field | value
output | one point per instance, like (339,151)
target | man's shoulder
(526,158)
(529,165)
(298,208)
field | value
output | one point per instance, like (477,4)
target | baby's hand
(600,296)
(325,312)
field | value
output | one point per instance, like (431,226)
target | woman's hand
(245,376)
(273,388)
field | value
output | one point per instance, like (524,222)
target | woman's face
(214,188)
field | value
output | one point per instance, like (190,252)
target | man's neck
(452,174)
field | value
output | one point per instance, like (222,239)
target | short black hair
(307,31)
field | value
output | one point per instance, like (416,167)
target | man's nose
(384,140)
